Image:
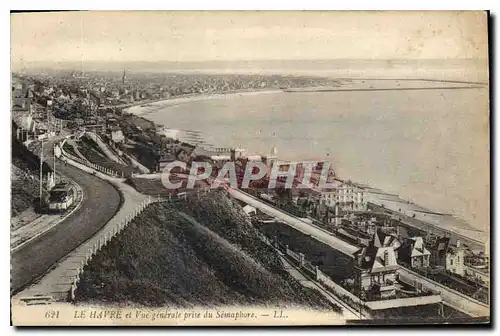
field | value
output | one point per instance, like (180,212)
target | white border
(189,5)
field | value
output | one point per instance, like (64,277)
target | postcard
(249,168)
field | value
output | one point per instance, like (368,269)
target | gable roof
(384,260)
(377,259)
(418,248)
(442,244)
(382,239)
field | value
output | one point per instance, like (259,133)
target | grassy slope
(24,190)
(167,258)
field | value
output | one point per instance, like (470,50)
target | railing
(453,282)
(444,289)
(352,300)
(105,236)
(89,164)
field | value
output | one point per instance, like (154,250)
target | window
(451,262)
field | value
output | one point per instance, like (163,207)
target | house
(376,270)
(455,259)
(346,195)
(439,249)
(354,234)
(382,239)
(116,134)
(414,253)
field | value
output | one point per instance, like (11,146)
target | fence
(102,239)
(336,288)
(104,146)
(454,298)
(351,299)
(293,255)
(89,164)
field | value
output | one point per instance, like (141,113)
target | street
(100,202)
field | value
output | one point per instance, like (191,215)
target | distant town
(374,252)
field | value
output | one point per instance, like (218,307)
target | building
(346,195)
(414,253)
(382,239)
(271,158)
(222,158)
(116,134)
(438,249)
(237,153)
(455,262)
(353,234)
(376,271)
(480,274)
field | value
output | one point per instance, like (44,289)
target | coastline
(143,109)
(345,85)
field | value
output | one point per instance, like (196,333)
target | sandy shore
(146,107)
(143,108)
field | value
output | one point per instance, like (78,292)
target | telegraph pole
(41,176)
(54,155)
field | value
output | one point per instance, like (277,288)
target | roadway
(100,202)
(316,232)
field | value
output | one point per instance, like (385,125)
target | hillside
(169,258)
(24,190)
(24,176)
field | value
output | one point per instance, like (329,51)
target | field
(169,258)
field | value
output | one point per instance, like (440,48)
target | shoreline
(143,108)
(153,106)
(345,85)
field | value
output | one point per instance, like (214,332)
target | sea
(428,146)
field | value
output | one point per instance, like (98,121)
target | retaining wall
(457,300)
(404,302)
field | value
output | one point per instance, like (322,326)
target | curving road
(298,224)
(100,202)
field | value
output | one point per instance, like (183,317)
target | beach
(145,108)
(424,145)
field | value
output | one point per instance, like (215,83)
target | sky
(233,36)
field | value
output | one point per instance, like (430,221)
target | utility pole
(41,176)
(54,155)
